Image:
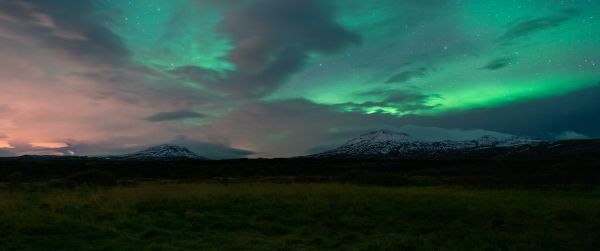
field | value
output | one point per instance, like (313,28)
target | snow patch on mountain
(166,151)
(385,142)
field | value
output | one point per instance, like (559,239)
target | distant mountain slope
(166,151)
(387,143)
(565,149)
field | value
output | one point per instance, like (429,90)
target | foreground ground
(269,216)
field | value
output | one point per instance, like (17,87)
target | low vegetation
(296,216)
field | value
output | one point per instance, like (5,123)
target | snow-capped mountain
(387,143)
(165,151)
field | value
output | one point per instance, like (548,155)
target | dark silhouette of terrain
(505,173)
(546,163)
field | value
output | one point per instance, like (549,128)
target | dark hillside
(527,172)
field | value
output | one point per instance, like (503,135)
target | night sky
(278,78)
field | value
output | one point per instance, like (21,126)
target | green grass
(266,216)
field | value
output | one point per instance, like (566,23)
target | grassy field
(268,216)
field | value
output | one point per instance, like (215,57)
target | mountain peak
(379,136)
(388,143)
(164,151)
(165,147)
(384,133)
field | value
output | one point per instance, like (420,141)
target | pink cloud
(5,145)
(52,100)
(49,145)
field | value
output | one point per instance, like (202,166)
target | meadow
(247,215)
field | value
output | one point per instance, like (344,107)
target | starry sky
(279,78)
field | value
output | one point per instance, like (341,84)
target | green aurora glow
(279,78)
(450,44)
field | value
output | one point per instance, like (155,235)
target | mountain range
(389,144)
(382,143)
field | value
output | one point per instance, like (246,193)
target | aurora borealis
(233,78)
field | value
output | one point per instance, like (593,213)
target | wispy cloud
(273,38)
(498,64)
(407,75)
(531,26)
(176,115)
